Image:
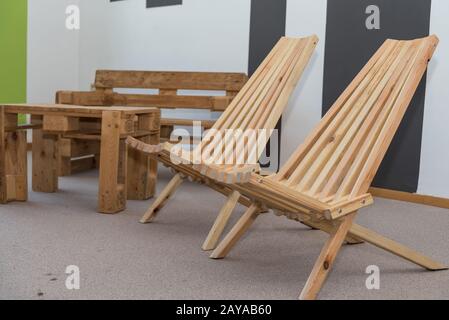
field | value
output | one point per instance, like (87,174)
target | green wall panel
(13,51)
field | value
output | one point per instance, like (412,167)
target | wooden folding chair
(326,180)
(258,106)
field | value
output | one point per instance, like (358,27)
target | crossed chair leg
(337,235)
(222,219)
(220,222)
(226,211)
(162,199)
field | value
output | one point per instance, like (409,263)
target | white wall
(200,35)
(212,35)
(53,51)
(304,18)
(434,175)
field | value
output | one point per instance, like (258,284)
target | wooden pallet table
(123,175)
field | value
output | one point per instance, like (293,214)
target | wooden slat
(360,127)
(73,110)
(335,180)
(328,135)
(170,80)
(396,248)
(23,127)
(258,106)
(261,118)
(425,52)
(333,151)
(99,98)
(313,137)
(362,153)
(342,156)
(77,148)
(207,124)
(60,123)
(165,157)
(243,98)
(410,197)
(83,164)
(339,151)
(242,116)
(356,126)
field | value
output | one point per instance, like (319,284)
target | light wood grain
(326,181)
(168,85)
(257,106)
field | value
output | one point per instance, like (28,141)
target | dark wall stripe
(267,26)
(349,45)
(159,3)
(162,3)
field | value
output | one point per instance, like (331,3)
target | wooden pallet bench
(169,95)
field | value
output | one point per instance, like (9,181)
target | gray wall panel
(349,45)
(268,18)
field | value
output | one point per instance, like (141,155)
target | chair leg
(221,221)
(326,259)
(396,248)
(350,240)
(237,232)
(309,225)
(162,199)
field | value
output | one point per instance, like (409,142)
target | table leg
(142,170)
(13,160)
(45,159)
(113,158)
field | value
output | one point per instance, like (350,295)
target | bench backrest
(163,80)
(167,83)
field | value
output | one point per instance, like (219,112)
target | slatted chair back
(260,103)
(339,160)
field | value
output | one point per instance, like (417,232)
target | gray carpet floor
(122,259)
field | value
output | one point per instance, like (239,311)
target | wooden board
(410,197)
(73,110)
(169,80)
(60,123)
(256,109)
